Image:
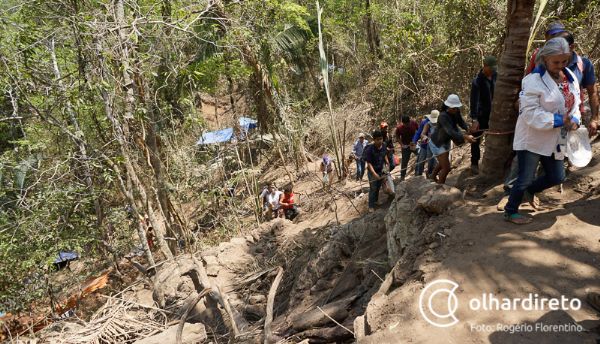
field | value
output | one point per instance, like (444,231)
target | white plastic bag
(388,185)
(325,178)
(579,149)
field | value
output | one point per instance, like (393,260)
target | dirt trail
(556,255)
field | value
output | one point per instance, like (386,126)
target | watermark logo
(439,289)
(438,303)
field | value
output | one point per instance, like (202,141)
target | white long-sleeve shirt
(542,105)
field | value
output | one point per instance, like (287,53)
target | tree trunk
(372,34)
(510,67)
(119,16)
(122,131)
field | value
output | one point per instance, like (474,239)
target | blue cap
(555,28)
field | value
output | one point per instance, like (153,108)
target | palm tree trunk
(510,68)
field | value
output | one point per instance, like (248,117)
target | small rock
(470,243)
(434,245)
(249,239)
(360,328)
(224,246)
(239,241)
(438,200)
(210,260)
(212,270)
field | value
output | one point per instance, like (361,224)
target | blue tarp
(66,257)
(225,135)
(247,123)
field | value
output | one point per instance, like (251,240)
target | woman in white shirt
(271,198)
(549,107)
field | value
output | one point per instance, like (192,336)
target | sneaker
(474,170)
(517,218)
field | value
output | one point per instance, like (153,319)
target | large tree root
(172,274)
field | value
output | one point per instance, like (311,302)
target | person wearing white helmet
(449,122)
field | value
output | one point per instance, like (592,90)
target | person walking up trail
(555,29)
(357,152)
(549,107)
(404,135)
(421,138)
(447,130)
(482,93)
(388,143)
(326,169)
(375,156)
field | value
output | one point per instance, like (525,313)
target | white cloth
(273,198)
(540,99)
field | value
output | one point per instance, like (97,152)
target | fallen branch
(190,306)
(270,303)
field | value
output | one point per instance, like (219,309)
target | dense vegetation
(101,104)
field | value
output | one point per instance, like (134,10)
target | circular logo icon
(439,292)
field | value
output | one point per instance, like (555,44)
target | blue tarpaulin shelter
(226,135)
(223,135)
(247,123)
(66,257)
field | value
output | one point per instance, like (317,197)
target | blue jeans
(374,186)
(431,161)
(512,176)
(554,174)
(360,169)
(425,156)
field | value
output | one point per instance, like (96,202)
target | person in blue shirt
(422,138)
(357,153)
(375,156)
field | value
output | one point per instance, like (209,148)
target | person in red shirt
(287,207)
(404,134)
